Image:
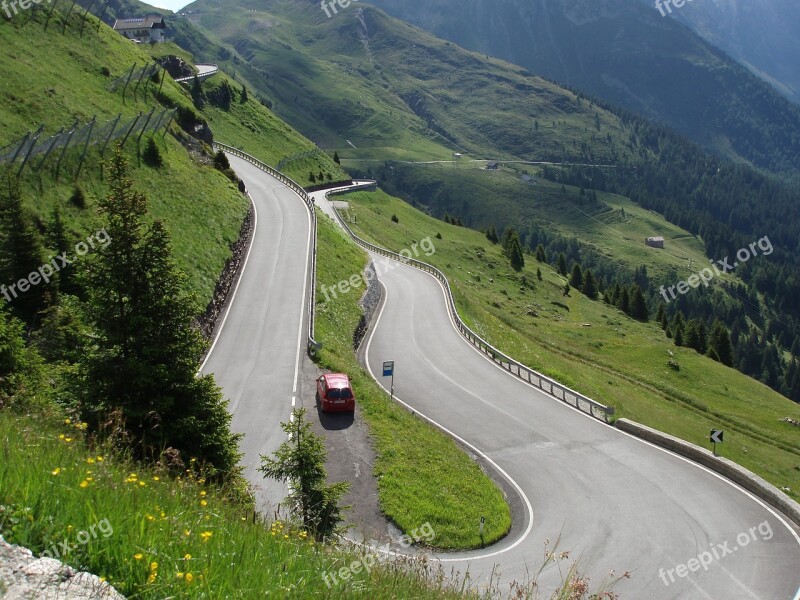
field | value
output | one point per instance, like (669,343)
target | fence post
(144,128)
(55,139)
(102,14)
(136,120)
(124,89)
(19,148)
(86,146)
(30,150)
(110,133)
(63,29)
(47,20)
(84,16)
(166,127)
(66,145)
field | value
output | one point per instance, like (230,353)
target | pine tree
(516,256)
(719,344)
(541,255)
(21,253)
(221,161)
(623,301)
(589,285)
(336,158)
(576,279)
(148,351)
(59,240)
(638,305)
(661,313)
(561,264)
(691,336)
(244,97)
(538,274)
(152,155)
(491,234)
(300,462)
(677,327)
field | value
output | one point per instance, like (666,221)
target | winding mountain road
(615,500)
(256,356)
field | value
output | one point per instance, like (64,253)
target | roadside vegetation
(423,476)
(594,347)
(166,536)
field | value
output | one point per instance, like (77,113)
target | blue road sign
(388,368)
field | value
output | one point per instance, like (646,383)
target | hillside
(760,34)
(628,54)
(393,91)
(595,348)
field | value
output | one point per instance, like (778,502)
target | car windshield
(340,393)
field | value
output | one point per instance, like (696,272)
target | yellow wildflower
(138,556)
(206,535)
(55,471)
(84,484)
(189,578)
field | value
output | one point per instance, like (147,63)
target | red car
(335,394)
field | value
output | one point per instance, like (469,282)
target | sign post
(716,438)
(388,371)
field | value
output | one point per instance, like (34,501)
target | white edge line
(734,485)
(461,440)
(236,288)
(757,500)
(305,291)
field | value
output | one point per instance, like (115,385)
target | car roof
(337,380)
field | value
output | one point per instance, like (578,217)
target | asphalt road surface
(614,500)
(257,353)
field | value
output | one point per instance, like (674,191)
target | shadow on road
(335,421)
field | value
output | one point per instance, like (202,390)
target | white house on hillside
(142,29)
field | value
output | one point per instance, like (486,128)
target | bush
(78,198)
(152,155)
(395,219)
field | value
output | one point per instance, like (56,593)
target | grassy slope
(55,79)
(501,197)
(247,126)
(396,92)
(596,349)
(52,489)
(423,476)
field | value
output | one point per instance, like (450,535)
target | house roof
(151,22)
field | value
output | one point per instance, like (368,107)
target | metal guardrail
(313,345)
(552,387)
(200,76)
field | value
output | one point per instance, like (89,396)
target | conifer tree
(148,350)
(638,305)
(719,344)
(576,279)
(589,285)
(21,253)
